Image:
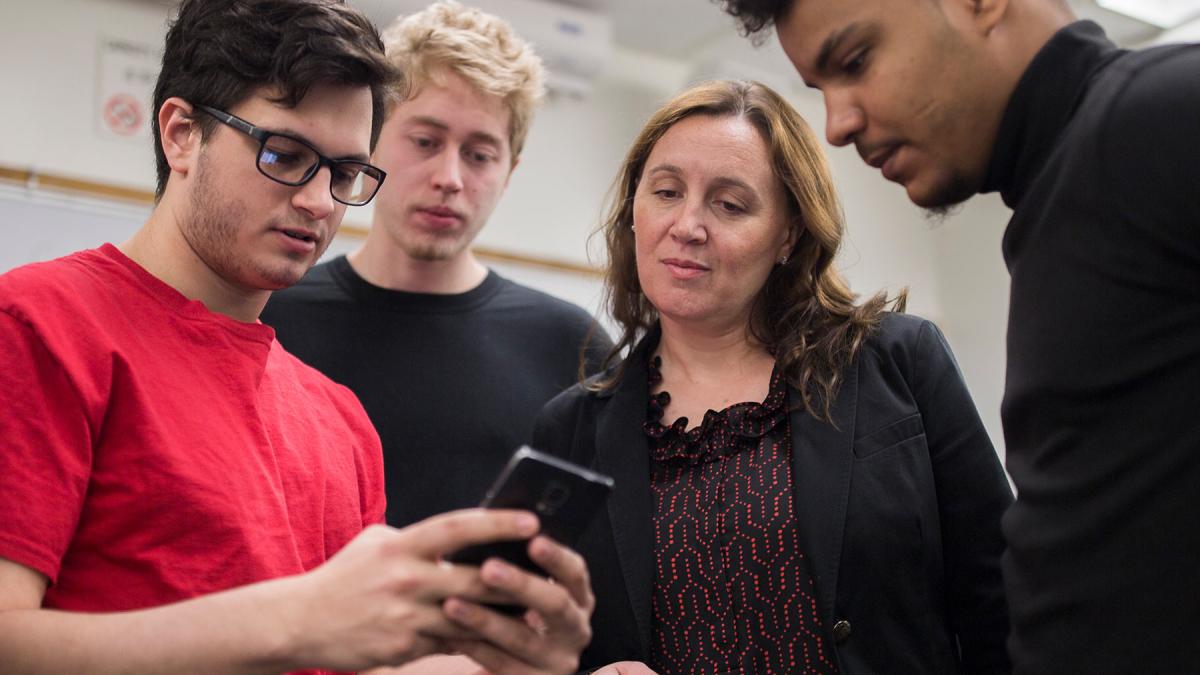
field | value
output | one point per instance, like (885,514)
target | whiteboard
(41,226)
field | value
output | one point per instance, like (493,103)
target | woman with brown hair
(816,492)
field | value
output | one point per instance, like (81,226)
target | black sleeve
(554,427)
(972,495)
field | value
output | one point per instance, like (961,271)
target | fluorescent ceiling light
(1161,13)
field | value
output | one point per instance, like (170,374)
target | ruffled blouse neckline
(719,432)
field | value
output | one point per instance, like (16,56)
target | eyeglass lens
(287,160)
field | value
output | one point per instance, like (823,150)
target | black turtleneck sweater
(1099,156)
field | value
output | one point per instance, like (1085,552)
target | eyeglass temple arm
(235,122)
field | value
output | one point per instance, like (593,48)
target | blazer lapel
(823,456)
(623,452)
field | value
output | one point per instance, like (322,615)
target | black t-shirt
(1097,154)
(451,382)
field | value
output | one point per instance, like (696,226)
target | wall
(48,68)
(1188,32)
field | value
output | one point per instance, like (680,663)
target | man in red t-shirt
(178,493)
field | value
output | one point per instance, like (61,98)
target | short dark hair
(755,16)
(218,52)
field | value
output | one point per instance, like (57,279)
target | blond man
(451,360)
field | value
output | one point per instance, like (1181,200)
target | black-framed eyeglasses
(294,162)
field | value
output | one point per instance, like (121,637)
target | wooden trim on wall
(55,183)
(38,180)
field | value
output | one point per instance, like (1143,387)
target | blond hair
(447,37)
(804,314)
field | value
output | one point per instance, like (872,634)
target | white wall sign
(125,88)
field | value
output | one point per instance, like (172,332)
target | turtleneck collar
(1042,105)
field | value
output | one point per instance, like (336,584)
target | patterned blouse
(732,590)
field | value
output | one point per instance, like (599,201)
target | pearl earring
(783,260)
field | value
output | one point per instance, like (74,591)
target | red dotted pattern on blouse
(732,589)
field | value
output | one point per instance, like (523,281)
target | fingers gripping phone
(565,497)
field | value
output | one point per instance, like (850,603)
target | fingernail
(527,523)
(457,609)
(497,572)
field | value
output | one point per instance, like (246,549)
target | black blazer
(899,503)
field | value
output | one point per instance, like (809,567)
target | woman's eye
(729,207)
(667,193)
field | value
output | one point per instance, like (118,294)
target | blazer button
(841,632)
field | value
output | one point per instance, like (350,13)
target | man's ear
(988,14)
(179,135)
(982,15)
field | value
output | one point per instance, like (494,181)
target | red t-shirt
(152,450)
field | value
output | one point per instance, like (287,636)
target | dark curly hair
(755,16)
(805,314)
(218,52)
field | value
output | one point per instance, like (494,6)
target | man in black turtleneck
(1095,150)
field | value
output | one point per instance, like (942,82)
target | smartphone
(565,497)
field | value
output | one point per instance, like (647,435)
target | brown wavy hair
(805,314)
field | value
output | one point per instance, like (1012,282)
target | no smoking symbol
(123,114)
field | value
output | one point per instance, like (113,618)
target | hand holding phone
(565,497)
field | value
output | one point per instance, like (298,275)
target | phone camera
(552,499)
